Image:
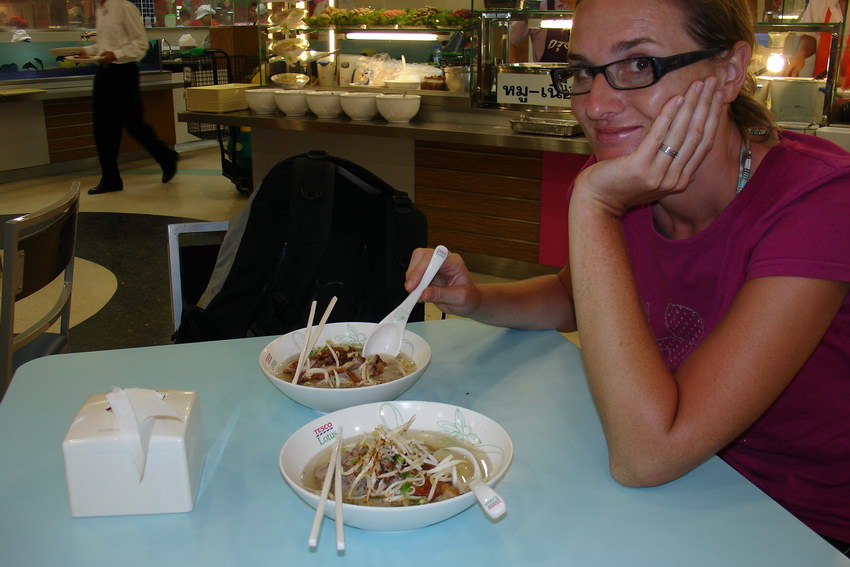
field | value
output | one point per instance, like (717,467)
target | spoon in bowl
(386,338)
(492,504)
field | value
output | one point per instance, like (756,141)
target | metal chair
(192,252)
(37,248)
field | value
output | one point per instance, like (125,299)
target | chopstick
(340,534)
(334,466)
(304,349)
(315,336)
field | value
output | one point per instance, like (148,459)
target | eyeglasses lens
(629,74)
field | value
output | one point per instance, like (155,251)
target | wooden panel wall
(69,125)
(480,199)
(69,129)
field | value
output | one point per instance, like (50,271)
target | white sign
(528,88)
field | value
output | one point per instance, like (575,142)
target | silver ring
(668,150)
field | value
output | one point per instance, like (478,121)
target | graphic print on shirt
(686,331)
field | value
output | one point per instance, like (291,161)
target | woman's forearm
(634,391)
(544,302)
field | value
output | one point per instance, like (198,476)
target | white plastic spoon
(492,504)
(386,338)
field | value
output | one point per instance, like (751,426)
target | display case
(366,46)
(508,70)
(804,100)
(33,60)
(516,50)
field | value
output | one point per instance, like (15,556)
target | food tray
(513,4)
(546,126)
(217,98)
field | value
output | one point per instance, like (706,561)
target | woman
(709,261)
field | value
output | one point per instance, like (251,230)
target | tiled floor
(198,191)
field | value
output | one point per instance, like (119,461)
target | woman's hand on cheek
(687,125)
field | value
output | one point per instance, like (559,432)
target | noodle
(397,467)
(343,366)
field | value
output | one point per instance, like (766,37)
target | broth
(343,366)
(397,477)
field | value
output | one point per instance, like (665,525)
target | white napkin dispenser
(103,479)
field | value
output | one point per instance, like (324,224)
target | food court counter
(481,185)
(445,120)
(52,123)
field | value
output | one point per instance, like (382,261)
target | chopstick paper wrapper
(136,409)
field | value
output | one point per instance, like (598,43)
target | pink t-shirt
(791,219)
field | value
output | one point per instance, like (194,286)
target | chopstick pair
(310,337)
(335,470)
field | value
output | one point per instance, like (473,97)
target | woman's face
(604,31)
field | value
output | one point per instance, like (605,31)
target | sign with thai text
(529,89)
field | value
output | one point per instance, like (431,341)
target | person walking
(116,102)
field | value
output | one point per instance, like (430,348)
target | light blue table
(564,509)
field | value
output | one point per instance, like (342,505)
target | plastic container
(102,477)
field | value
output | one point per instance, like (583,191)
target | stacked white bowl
(398,108)
(261,101)
(324,104)
(359,105)
(291,102)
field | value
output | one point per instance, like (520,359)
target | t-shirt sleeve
(809,236)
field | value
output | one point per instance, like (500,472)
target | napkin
(136,410)
(21,35)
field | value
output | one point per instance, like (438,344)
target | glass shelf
(394,28)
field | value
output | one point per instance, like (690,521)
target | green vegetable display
(427,16)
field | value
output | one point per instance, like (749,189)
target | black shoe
(103,189)
(169,168)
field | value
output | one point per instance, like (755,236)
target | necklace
(744,165)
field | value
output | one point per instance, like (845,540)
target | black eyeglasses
(626,74)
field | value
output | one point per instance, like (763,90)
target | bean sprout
(343,366)
(388,467)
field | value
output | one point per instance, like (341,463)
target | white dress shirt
(816,12)
(119,30)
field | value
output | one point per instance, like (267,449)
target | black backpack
(318,227)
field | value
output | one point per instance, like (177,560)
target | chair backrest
(37,248)
(192,252)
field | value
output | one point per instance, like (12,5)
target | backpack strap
(311,197)
(406,230)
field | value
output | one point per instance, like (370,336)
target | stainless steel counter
(448,120)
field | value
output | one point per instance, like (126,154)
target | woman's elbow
(640,473)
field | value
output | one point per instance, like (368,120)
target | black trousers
(117,104)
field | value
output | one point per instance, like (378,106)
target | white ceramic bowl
(398,108)
(261,101)
(287,346)
(457,79)
(291,102)
(290,80)
(404,84)
(359,106)
(462,423)
(324,104)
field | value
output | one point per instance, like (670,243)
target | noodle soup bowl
(467,426)
(282,349)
